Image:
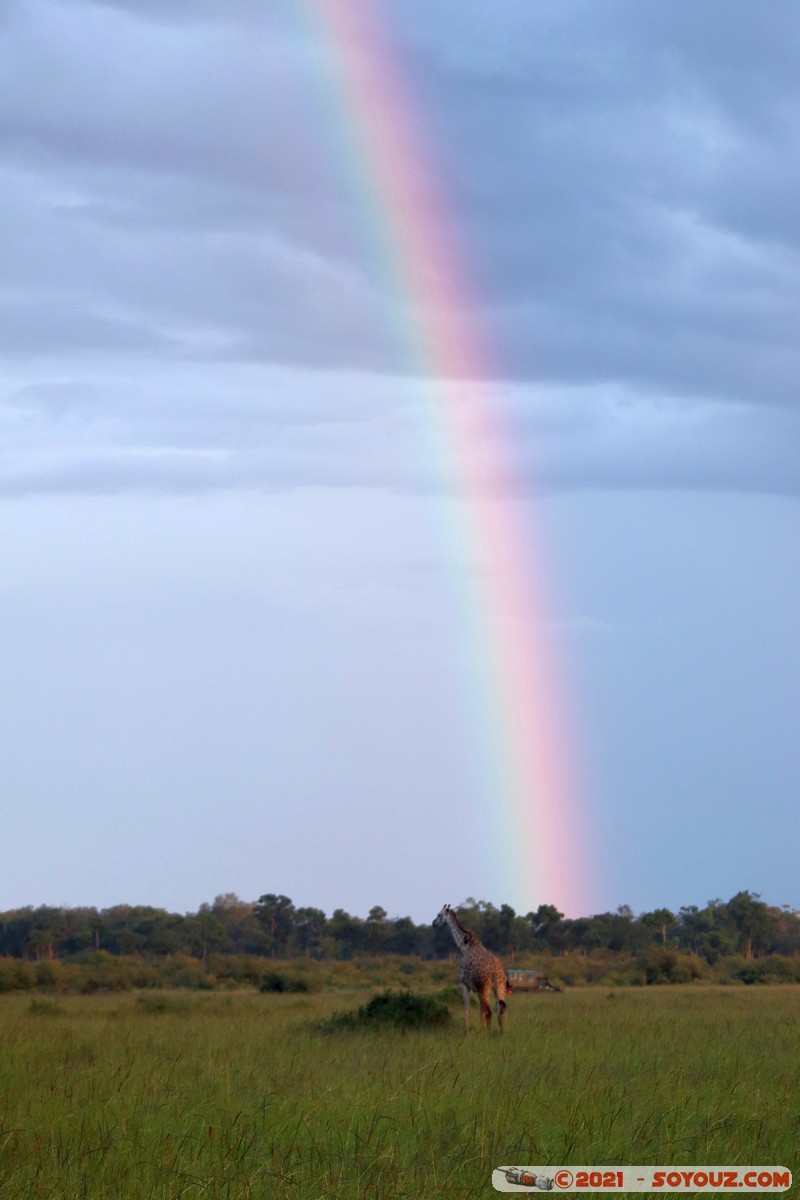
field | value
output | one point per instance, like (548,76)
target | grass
(240,1095)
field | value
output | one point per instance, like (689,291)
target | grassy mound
(402,1010)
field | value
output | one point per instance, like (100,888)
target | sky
(240,635)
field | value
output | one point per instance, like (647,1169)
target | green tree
(707,932)
(661,920)
(753,921)
(574,934)
(347,932)
(787,929)
(506,930)
(275,914)
(205,931)
(378,930)
(97,928)
(405,937)
(547,928)
(239,923)
(521,936)
(41,943)
(309,931)
(694,927)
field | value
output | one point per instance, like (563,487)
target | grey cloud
(244,292)
(621,182)
(86,85)
(184,11)
(242,426)
(170,180)
(27,326)
(255,428)
(606,437)
(630,169)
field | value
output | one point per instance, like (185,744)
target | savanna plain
(240,1095)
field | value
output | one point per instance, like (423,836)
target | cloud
(123,426)
(266,428)
(626,440)
(624,174)
(191,262)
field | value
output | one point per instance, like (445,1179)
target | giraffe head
(442,915)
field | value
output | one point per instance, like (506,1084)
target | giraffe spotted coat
(479,970)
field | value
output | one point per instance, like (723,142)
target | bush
(775,968)
(406,1009)
(403,1010)
(16,975)
(273,981)
(104,972)
(233,969)
(662,965)
(182,971)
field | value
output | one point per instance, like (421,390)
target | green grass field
(167,1095)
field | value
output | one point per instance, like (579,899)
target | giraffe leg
(486,1010)
(465,998)
(500,991)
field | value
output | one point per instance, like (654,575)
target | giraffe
(479,970)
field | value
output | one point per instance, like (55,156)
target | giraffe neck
(461,936)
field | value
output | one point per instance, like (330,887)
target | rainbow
(531,786)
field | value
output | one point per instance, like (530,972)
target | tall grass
(234,1096)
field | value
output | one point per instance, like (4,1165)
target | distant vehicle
(531,981)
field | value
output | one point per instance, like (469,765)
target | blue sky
(232,660)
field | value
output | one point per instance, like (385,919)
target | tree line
(274,927)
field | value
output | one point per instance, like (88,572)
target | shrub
(406,1009)
(16,975)
(775,968)
(233,969)
(403,1010)
(273,981)
(662,965)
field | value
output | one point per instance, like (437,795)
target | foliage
(234,1096)
(274,981)
(401,1010)
(668,966)
(225,944)
(775,968)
